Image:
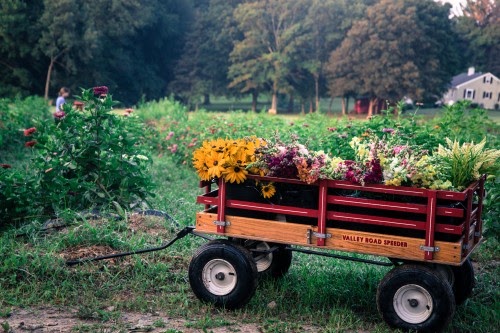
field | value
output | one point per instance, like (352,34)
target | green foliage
(16,115)
(92,158)
(89,158)
(81,43)
(400,48)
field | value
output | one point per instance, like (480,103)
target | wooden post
(323,191)
(479,224)
(430,224)
(221,209)
(468,221)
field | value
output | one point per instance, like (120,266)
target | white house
(482,89)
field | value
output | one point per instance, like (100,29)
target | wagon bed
(393,221)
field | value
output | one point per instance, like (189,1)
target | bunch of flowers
(388,160)
(465,163)
(292,160)
(226,158)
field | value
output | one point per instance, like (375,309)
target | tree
(203,67)
(480,28)
(325,27)
(60,36)
(19,60)
(272,30)
(401,48)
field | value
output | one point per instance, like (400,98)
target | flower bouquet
(378,161)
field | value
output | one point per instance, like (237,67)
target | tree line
(194,49)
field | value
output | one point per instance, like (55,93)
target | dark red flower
(29,131)
(5,166)
(101,90)
(59,114)
(30,143)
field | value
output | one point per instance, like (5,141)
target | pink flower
(29,131)
(59,115)
(100,91)
(192,144)
(388,130)
(169,136)
(332,129)
(173,149)
(398,149)
(30,143)
(129,110)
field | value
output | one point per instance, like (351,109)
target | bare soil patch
(52,320)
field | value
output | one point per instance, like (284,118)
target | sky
(456,5)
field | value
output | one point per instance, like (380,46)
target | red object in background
(363,104)
(78,105)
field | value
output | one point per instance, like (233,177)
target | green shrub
(88,158)
(16,115)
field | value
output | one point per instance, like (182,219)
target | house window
(469,93)
(488,79)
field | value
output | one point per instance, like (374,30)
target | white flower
(141,157)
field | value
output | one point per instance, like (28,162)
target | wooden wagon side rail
(419,209)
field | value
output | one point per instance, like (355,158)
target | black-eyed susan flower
(234,172)
(215,162)
(268,190)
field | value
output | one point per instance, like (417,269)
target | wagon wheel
(464,281)
(273,264)
(415,297)
(223,273)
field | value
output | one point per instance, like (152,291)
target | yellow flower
(268,190)
(235,173)
(215,162)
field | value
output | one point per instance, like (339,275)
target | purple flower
(388,130)
(100,91)
(169,136)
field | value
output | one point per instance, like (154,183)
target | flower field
(153,157)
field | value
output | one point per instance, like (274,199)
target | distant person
(63,94)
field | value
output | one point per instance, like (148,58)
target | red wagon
(427,235)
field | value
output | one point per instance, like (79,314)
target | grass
(325,294)
(329,294)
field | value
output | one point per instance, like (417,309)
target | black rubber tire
(228,255)
(420,282)
(464,281)
(281,258)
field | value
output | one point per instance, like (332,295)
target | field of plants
(82,184)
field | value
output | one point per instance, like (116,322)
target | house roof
(464,77)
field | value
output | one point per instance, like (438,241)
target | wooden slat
(377,204)
(451,212)
(342,239)
(265,230)
(378,188)
(278,209)
(376,220)
(391,246)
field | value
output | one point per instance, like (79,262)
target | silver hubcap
(219,277)
(263,260)
(413,304)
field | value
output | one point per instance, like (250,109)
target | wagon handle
(181,234)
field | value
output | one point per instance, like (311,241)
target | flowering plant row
(377,161)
